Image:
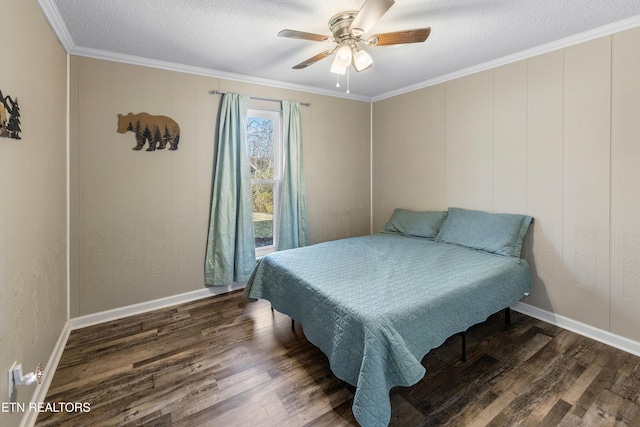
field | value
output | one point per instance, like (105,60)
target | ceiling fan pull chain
(348,91)
(337,80)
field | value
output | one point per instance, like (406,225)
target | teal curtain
(230,255)
(293,207)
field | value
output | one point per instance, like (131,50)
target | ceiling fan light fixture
(337,69)
(361,60)
(342,60)
(343,56)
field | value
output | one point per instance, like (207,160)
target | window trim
(278,169)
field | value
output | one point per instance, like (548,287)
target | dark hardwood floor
(225,362)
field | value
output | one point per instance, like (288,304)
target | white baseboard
(29,418)
(143,307)
(39,394)
(605,337)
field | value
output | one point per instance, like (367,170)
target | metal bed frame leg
(507,318)
(463,335)
(293,322)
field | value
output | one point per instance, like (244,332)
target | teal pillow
(500,234)
(414,223)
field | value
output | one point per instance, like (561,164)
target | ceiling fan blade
(313,59)
(400,37)
(369,13)
(293,34)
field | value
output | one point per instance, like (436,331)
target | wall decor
(9,117)
(158,130)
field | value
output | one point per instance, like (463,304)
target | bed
(375,305)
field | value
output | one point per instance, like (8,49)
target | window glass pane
(263,214)
(260,145)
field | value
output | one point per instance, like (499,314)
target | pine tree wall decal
(9,117)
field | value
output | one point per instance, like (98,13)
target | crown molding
(53,17)
(606,30)
(207,72)
(52,14)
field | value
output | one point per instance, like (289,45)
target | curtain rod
(216,92)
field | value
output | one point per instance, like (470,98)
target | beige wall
(33,305)
(554,136)
(140,219)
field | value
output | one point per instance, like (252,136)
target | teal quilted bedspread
(376,305)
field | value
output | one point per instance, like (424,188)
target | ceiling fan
(349,29)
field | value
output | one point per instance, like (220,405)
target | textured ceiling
(238,37)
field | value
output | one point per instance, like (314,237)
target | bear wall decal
(158,130)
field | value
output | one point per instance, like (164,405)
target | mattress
(375,305)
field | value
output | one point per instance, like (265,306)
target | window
(264,140)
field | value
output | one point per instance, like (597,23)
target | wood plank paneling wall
(140,219)
(625,180)
(545,133)
(587,130)
(554,136)
(33,207)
